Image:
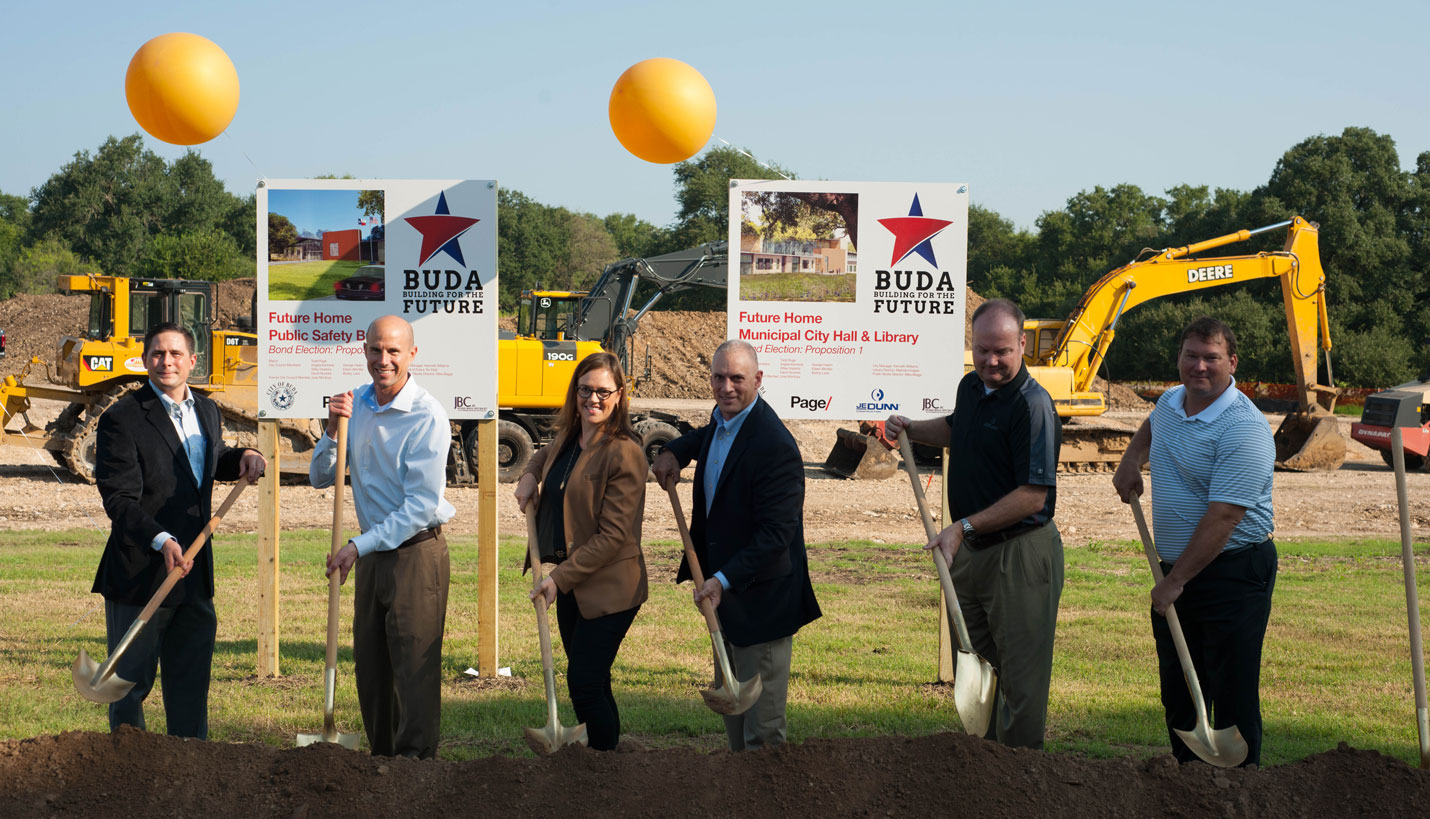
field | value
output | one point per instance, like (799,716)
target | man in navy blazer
(159,450)
(748,533)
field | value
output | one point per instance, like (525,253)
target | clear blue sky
(314,211)
(1028,102)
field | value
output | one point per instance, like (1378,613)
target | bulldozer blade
(105,688)
(1310,441)
(729,697)
(859,456)
(554,737)
(974,685)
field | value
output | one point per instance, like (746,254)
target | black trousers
(591,647)
(1223,612)
(180,640)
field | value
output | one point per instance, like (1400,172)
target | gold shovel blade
(733,698)
(553,738)
(349,741)
(110,689)
(974,685)
(1222,747)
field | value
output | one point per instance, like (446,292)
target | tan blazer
(603,509)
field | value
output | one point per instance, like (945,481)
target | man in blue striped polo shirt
(1212,458)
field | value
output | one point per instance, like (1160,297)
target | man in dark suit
(160,448)
(748,533)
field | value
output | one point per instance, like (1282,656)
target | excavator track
(1093,445)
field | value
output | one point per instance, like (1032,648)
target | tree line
(124,210)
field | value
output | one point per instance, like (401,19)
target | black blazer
(754,532)
(148,487)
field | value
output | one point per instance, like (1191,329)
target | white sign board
(852,293)
(342,252)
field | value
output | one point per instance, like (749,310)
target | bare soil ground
(136,774)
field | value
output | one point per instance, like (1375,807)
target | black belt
(982,541)
(422,536)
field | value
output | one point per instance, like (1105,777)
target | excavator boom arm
(1092,326)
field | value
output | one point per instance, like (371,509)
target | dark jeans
(591,647)
(1223,612)
(178,639)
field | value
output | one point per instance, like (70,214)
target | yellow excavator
(95,370)
(1064,355)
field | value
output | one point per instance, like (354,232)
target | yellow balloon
(182,88)
(662,110)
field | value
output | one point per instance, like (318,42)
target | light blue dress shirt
(397,457)
(724,438)
(191,436)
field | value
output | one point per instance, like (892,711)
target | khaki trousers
(763,726)
(399,613)
(1009,595)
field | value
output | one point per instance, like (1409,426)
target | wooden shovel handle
(1173,624)
(192,552)
(695,574)
(335,579)
(945,579)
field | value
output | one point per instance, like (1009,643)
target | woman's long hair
(618,425)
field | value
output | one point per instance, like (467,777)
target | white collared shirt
(397,457)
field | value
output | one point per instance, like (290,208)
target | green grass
(307,280)
(797,287)
(1336,665)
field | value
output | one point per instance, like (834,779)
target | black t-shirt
(550,515)
(1000,441)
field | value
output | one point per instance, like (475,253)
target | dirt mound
(679,343)
(1121,397)
(137,774)
(34,325)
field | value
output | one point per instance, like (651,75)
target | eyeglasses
(602,395)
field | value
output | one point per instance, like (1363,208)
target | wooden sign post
(268,551)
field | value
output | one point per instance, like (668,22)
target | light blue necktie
(193,445)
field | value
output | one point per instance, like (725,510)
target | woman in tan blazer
(591,499)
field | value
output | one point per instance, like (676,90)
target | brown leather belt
(421,537)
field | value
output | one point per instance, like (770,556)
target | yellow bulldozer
(556,329)
(93,371)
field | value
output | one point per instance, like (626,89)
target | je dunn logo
(914,233)
(441,232)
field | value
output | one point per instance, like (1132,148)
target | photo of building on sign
(798,246)
(325,244)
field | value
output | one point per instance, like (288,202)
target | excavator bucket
(1310,441)
(860,456)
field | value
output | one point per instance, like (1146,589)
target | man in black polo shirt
(1004,550)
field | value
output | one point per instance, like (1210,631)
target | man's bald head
(735,376)
(389,347)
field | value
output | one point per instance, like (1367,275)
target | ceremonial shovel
(553,736)
(330,671)
(101,684)
(974,680)
(731,697)
(1223,747)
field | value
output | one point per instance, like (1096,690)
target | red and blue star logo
(914,233)
(441,231)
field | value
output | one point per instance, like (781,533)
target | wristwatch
(969,535)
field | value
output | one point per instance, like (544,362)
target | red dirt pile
(137,774)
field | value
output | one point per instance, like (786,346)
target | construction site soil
(138,775)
